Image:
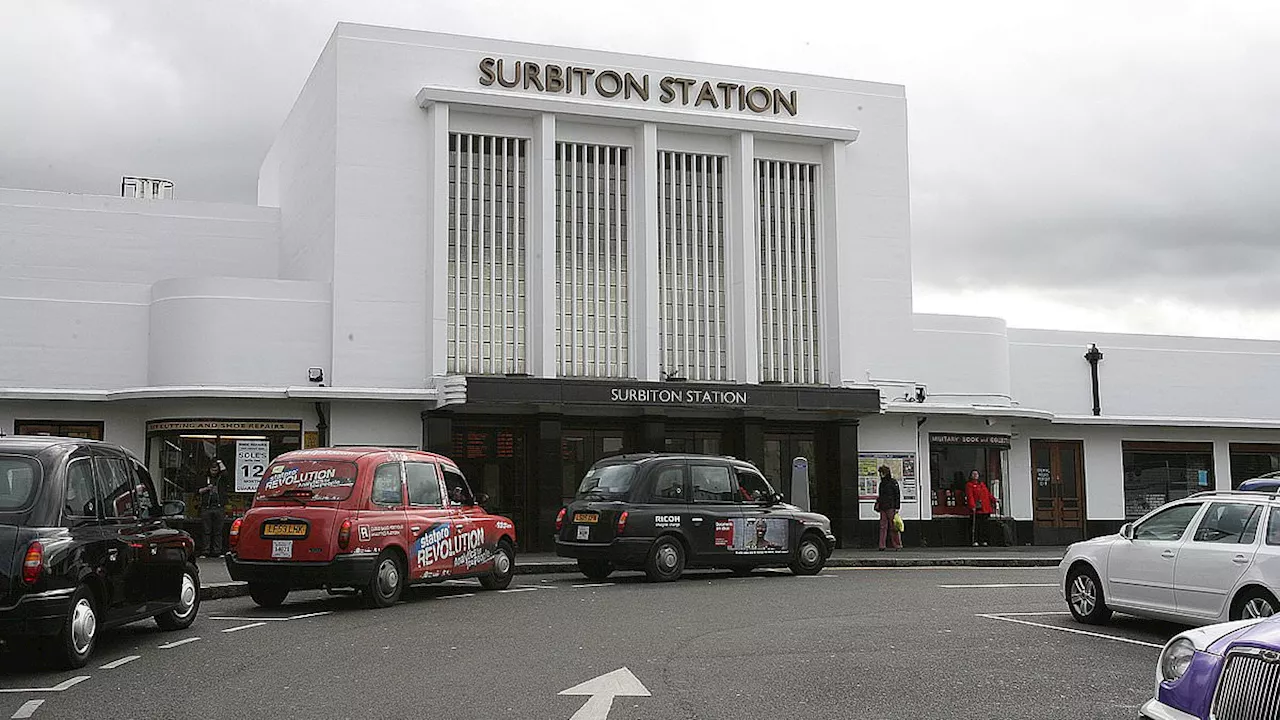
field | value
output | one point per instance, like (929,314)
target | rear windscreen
(308,480)
(608,482)
(18,476)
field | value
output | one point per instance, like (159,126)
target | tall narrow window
(486,254)
(788,214)
(591,260)
(691,284)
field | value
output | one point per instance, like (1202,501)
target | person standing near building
(979,497)
(211,511)
(888,502)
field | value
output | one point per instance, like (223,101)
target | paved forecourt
(864,642)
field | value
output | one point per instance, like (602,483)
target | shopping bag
(897,522)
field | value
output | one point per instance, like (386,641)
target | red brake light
(622,522)
(344,534)
(560,519)
(33,563)
(234,537)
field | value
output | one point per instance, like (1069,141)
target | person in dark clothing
(211,511)
(888,501)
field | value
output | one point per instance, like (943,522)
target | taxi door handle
(416,529)
(696,519)
(1240,559)
(459,526)
(1168,553)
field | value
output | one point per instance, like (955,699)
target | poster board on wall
(901,465)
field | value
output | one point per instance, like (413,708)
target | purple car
(1229,671)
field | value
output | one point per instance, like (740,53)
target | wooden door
(1057,477)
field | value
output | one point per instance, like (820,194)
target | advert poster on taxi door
(901,465)
(752,536)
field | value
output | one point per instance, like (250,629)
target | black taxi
(662,512)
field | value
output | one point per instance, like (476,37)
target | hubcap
(809,554)
(1258,608)
(388,577)
(502,565)
(84,624)
(187,600)
(667,557)
(1084,596)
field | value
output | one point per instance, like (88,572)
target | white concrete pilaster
(742,255)
(836,321)
(644,255)
(437,240)
(541,249)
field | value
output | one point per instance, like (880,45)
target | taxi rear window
(18,478)
(607,482)
(308,480)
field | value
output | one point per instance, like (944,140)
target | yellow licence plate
(284,530)
(586,517)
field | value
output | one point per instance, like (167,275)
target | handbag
(897,522)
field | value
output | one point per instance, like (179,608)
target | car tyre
(595,569)
(1254,603)
(504,566)
(1084,597)
(79,633)
(811,556)
(184,613)
(666,560)
(387,583)
(268,596)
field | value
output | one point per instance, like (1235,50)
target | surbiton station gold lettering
(569,80)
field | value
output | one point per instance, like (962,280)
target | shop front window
(954,458)
(181,452)
(88,430)
(1251,461)
(1156,473)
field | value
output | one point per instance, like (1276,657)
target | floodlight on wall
(315,374)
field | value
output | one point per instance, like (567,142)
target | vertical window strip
(788,291)
(487,253)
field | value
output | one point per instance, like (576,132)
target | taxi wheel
(387,582)
(268,596)
(666,560)
(184,613)
(504,564)
(595,569)
(79,632)
(811,556)
(1084,597)
(1254,603)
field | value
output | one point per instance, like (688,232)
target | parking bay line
(244,627)
(594,585)
(28,709)
(117,663)
(519,589)
(65,684)
(976,586)
(176,643)
(1074,631)
(451,597)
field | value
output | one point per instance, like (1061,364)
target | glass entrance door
(581,448)
(780,450)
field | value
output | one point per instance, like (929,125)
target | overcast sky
(1080,165)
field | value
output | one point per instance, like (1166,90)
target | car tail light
(622,522)
(344,534)
(33,563)
(560,519)
(233,539)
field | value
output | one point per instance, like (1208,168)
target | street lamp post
(1094,356)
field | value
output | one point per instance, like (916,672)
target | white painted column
(742,254)
(437,281)
(541,249)
(644,255)
(1221,465)
(837,344)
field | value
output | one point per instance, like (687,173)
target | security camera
(315,374)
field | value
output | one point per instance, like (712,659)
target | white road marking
(249,619)
(28,709)
(999,585)
(56,688)
(310,615)
(602,690)
(1073,631)
(244,627)
(176,643)
(1032,614)
(519,589)
(463,595)
(117,663)
(593,585)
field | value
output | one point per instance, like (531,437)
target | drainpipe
(322,423)
(1094,356)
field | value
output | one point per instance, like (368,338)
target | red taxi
(373,519)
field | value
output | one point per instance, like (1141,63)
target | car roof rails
(1268,493)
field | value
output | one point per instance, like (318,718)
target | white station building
(530,257)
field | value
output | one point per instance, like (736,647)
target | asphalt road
(856,643)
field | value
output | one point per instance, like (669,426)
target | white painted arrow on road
(603,690)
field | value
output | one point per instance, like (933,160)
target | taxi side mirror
(1126,531)
(173,508)
(775,498)
(481,499)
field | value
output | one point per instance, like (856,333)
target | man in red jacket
(979,496)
